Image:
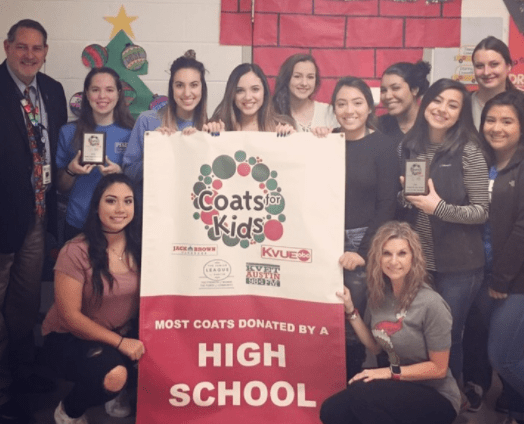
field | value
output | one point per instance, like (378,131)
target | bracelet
(353,314)
(120,342)
(69,172)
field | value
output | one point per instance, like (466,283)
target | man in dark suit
(32,110)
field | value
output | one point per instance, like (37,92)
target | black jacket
(507,226)
(17,200)
(456,247)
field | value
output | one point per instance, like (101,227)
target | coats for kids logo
(243,216)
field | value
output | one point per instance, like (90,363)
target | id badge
(46,174)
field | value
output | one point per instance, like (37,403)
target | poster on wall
(242,235)
(456,63)
(516,48)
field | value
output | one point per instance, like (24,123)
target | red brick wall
(360,38)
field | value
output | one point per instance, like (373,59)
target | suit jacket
(17,200)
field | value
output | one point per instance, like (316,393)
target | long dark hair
(359,84)
(457,136)
(187,61)
(415,75)
(228,112)
(86,121)
(511,98)
(96,239)
(281,96)
(493,43)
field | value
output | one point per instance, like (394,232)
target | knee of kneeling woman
(328,412)
(115,379)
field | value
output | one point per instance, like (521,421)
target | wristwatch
(395,372)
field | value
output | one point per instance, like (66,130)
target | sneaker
(119,407)
(464,404)
(62,418)
(474,394)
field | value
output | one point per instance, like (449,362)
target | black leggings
(387,402)
(86,363)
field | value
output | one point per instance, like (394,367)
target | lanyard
(33,116)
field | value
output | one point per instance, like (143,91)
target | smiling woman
(102,96)
(447,219)
(247,104)
(116,208)
(186,110)
(103,110)
(371,191)
(297,82)
(491,63)
(502,125)
(403,85)
(412,324)
(91,326)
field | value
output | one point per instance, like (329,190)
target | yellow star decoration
(121,21)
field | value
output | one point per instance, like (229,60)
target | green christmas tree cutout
(129,61)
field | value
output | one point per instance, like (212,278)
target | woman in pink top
(89,333)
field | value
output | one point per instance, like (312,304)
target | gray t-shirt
(407,336)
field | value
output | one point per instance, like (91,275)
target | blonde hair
(415,278)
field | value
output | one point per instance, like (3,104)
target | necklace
(113,232)
(121,256)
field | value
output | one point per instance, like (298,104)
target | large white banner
(242,235)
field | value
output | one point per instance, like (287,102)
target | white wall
(487,8)
(165,28)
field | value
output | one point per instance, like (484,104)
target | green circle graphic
(198,187)
(205,170)
(271,184)
(224,167)
(230,241)
(211,235)
(240,156)
(260,172)
(276,208)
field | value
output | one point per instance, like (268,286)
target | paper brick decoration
(358,37)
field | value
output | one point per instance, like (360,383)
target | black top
(506,218)
(389,125)
(16,161)
(372,184)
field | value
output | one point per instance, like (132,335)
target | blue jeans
(459,290)
(477,367)
(506,341)
(355,280)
